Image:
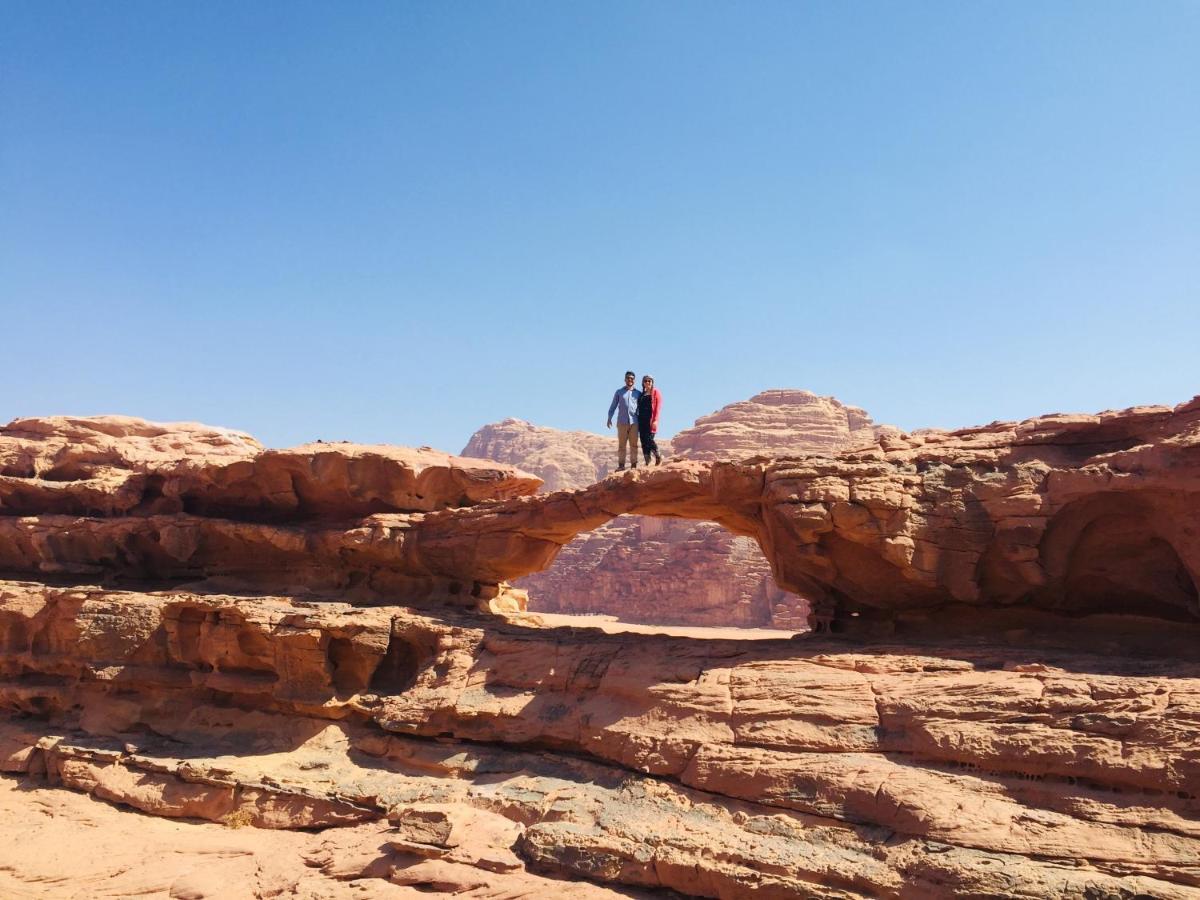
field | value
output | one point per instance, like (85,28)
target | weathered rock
(638,568)
(1047,767)
(115,465)
(114,497)
(1029,726)
(778,423)
(564,460)
(1078,514)
(55,843)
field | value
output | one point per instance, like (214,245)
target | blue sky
(398,221)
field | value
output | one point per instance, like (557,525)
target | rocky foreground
(1002,696)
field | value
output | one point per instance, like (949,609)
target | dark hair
(630,375)
(644,377)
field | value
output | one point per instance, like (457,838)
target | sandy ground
(612,625)
(63,845)
(59,844)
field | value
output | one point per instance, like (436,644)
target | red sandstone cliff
(662,572)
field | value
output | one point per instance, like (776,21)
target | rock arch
(502,541)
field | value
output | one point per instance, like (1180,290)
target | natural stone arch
(515,538)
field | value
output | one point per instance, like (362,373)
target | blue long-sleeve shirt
(625,405)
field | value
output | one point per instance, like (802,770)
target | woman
(648,405)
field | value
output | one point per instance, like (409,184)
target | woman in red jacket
(648,405)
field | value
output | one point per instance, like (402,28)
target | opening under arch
(666,571)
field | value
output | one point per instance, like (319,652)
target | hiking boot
(657,459)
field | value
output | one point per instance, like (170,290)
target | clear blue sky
(398,221)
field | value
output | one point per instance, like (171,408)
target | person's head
(629,377)
(647,383)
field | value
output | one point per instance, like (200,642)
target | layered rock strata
(457,755)
(122,499)
(1079,514)
(1008,705)
(120,466)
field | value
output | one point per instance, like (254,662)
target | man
(625,405)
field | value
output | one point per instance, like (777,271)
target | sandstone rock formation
(778,423)
(637,568)
(647,570)
(1080,514)
(115,465)
(564,460)
(1008,705)
(121,498)
(1073,513)
(466,756)
(779,768)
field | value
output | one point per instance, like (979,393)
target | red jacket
(655,402)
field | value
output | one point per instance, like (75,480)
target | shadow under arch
(1116,552)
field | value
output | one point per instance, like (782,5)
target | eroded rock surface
(460,755)
(1010,708)
(564,460)
(637,568)
(1079,514)
(118,466)
(778,423)
(119,498)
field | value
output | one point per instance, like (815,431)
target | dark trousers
(649,445)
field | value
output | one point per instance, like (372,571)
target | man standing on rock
(625,404)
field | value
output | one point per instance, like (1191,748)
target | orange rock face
(481,756)
(115,465)
(1002,697)
(122,498)
(1079,514)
